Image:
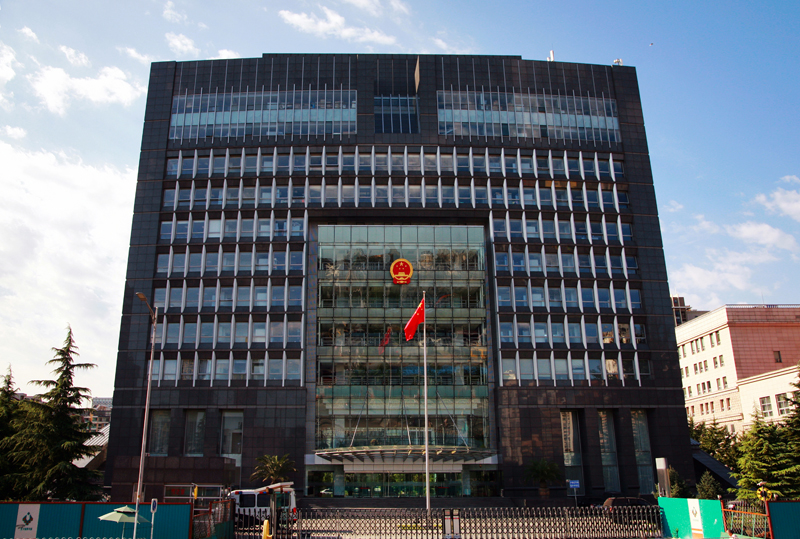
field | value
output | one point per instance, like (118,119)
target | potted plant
(544,472)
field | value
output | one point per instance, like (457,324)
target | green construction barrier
(689,518)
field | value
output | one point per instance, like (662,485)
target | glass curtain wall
(369,379)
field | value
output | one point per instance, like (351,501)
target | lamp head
(141,296)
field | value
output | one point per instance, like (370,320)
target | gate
(485,523)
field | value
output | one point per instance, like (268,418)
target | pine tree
(678,488)
(50,435)
(717,442)
(764,457)
(708,488)
(790,434)
(9,409)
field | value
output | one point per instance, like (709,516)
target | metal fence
(746,518)
(217,521)
(495,523)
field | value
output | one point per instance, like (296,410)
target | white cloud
(171,14)
(673,206)
(14,132)
(202,26)
(55,87)
(181,45)
(30,34)
(8,63)
(133,53)
(449,48)
(400,7)
(704,226)
(762,234)
(783,201)
(725,273)
(791,179)
(373,7)
(62,260)
(226,53)
(334,25)
(74,57)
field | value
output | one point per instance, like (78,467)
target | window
(521,297)
(518,262)
(241,332)
(777,355)
(166,230)
(504,296)
(571,445)
(276,332)
(540,333)
(279,262)
(231,443)
(158,439)
(537,296)
(224,334)
(189,334)
(206,332)
(784,405)
(501,261)
(766,406)
(554,295)
(294,331)
(721,360)
(194,433)
(641,443)
(210,297)
(724,382)
(608,451)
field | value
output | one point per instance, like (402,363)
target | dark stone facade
(279,419)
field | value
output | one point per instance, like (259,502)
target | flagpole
(425,378)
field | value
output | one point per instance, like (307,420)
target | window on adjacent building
(766,406)
(784,404)
(777,355)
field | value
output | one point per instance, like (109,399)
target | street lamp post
(154,319)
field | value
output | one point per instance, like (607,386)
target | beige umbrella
(124,515)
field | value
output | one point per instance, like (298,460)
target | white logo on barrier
(695,518)
(27,521)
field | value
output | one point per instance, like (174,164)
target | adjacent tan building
(738,359)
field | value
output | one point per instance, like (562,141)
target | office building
(682,312)
(275,193)
(738,360)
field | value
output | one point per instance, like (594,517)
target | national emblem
(401,271)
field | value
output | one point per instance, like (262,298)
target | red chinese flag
(415,320)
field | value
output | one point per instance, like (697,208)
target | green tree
(764,457)
(49,435)
(790,434)
(708,488)
(9,409)
(272,469)
(677,485)
(717,442)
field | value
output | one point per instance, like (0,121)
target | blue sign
(574,483)
(153,505)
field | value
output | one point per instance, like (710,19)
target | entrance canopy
(405,452)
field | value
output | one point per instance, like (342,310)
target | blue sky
(718,81)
